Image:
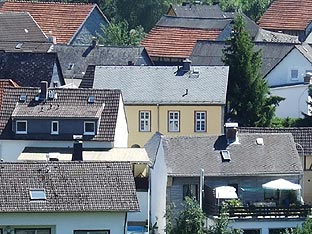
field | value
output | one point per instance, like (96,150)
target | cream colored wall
(214,121)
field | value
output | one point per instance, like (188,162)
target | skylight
(91,99)
(37,194)
(225,155)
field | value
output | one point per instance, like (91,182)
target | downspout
(125,224)
(157,117)
(149,213)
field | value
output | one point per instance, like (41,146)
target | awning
(281,184)
(225,192)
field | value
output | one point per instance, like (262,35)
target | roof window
(37,194)
(225,155)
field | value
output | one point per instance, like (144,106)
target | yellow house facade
(172,120)
(178,101)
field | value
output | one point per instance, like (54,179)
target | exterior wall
(307,181)
(66,222)
(158,191)
(280,75)
(66,126)
(176,189)
(265,225)
(90,28)
(121,131)
(295,102)
(159,121)
(10,150)
(141,216)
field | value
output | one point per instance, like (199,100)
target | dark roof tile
(69,187)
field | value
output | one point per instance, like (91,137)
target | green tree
(222,224)
(248,97)
(191,219)
(118,34)
(305,229)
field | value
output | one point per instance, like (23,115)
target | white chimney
(231,130)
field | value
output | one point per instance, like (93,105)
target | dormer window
(21,127)
(89,128)
(54,127)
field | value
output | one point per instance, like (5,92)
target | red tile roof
(6,83)
(287,15)
(62,19)
(174,42)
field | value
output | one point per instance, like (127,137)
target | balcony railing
(269,212)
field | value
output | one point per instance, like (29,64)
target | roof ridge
(49,2)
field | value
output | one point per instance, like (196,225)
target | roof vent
(70,66)
(22,98)
(52,94)
(259,141)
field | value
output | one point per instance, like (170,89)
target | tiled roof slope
(199,11)
(174,42)
(19,27)
(76,99)
(302,136)
(209,53)
(29,69)
(28,46)
(6,83)
(82,56)
(69,187)
(287,15)
(165,85)
(278,155)
(62,19)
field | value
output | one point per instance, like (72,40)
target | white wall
(265,225)
(280,75)
(158,190)
(62,223)
(295,102)
(10,150)
(121,131)
(143,214)
(55,76)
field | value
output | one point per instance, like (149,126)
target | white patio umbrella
(225,192)
(281,184)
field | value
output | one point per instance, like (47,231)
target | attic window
(37,194)
(91,99)
(225,155)
(19,45)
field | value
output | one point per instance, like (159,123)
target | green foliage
(248,95)
(234,203)
(305,229)
(191,219)
(118,34)
(222,224)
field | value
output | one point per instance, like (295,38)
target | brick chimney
(77,149)
(231,130)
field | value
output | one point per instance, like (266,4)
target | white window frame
(145,120)
(16,128)
(201,121)
(291,71)
(57,126)
(34,230)
(84,128)
(174,121)
(37,194)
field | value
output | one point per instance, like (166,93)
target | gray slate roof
(194,23)
(164,85)
(75,99)
(20,27)
(302,136)
(186,155)
(69,187)
(29,69)
(28,46)
(79,57)
(210,53)
(200,11)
